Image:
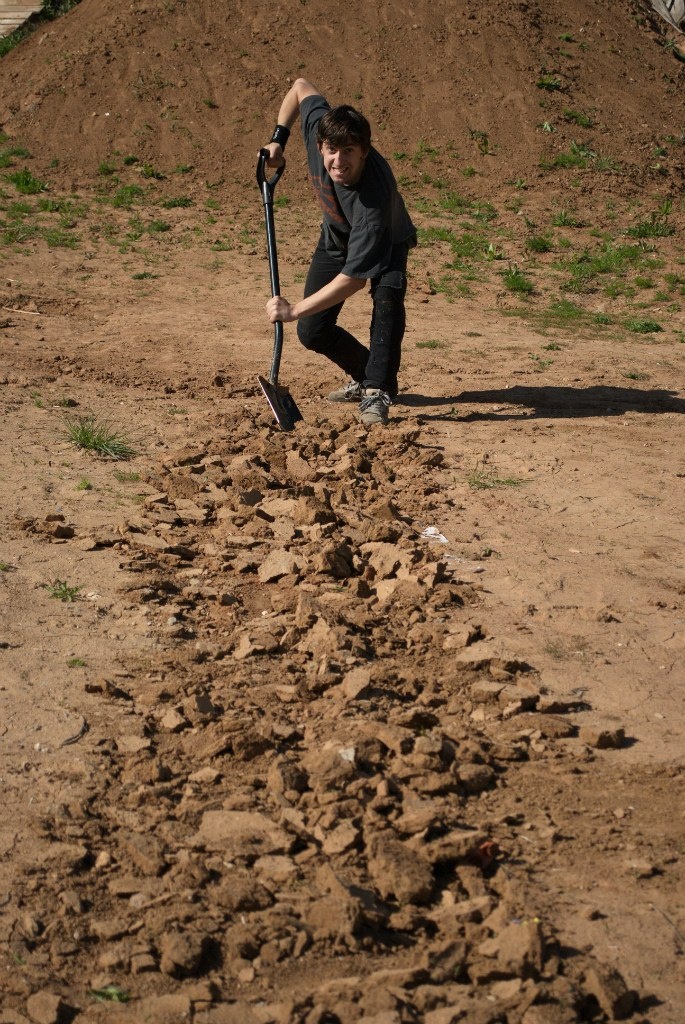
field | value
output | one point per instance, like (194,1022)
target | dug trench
(298,782)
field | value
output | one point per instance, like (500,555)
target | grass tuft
(643,326)
(100,437)
(61,591)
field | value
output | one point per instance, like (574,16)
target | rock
(399,871)
(241,834)
(602,739)
(417,814)
(46,1008)
(297,467)
(385,559)
(206,776)
(277,564)
(550,1013)
(519,949)
(610,991)
(169,1009)
(551,726)
(641,868)
(459,637)
(341,839)
(172,721)
(274,868)
(232,1013)
(356,684)
(456,845)
(145,852)
(285,776)
(181,953)
(475,778)
(259,642)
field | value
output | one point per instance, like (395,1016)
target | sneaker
(351,392)
(374,406)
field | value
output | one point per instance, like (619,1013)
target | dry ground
(271,751)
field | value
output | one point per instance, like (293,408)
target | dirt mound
(493,88)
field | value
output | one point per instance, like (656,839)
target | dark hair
(343,125)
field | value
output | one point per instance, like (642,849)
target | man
(366,235)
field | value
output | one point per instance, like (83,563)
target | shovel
(279,398)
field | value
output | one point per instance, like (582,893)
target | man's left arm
(337,290)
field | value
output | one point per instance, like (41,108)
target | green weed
(25,183)
(124,197)
(566,219)
(61,591)
(6,155)
(516,281)
(179,201)
(431,343)
(579,155)
(144,275)
(109,994)
(148,171)
(656,225)
(486,479)
(422,151)
(540,363)
(577,117)
(643,326)
(84,485)
(482,141)
(96,436)
(75,663)
(540,243)
(550,83)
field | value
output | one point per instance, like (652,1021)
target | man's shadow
(548,402)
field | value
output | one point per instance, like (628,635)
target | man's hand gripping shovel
(279,398)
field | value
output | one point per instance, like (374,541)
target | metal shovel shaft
(279,398)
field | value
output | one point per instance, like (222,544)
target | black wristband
(281,135)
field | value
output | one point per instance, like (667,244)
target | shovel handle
(267,186)
(262,179)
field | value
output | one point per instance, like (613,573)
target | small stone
(277,564)
(475,778)
(45,1008)
(602,739)
(205,776)
(341,839)
(356,684)
(611,992)
(172,721)
(145,852)
(274,868)
(242,833)
(181,953)
(398,870)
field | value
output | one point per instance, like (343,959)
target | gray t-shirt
(361,222)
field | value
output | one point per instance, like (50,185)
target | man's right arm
(287,115)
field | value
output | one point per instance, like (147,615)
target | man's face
(344,163)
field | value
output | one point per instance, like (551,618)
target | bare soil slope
(340,725)
(191,83)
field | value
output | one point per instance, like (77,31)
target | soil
(342,724)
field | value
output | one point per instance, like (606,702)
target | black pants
(377,366)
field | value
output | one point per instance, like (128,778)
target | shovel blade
(282,404)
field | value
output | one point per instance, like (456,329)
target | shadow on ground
(551,401)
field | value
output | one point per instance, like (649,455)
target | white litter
(433,533)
